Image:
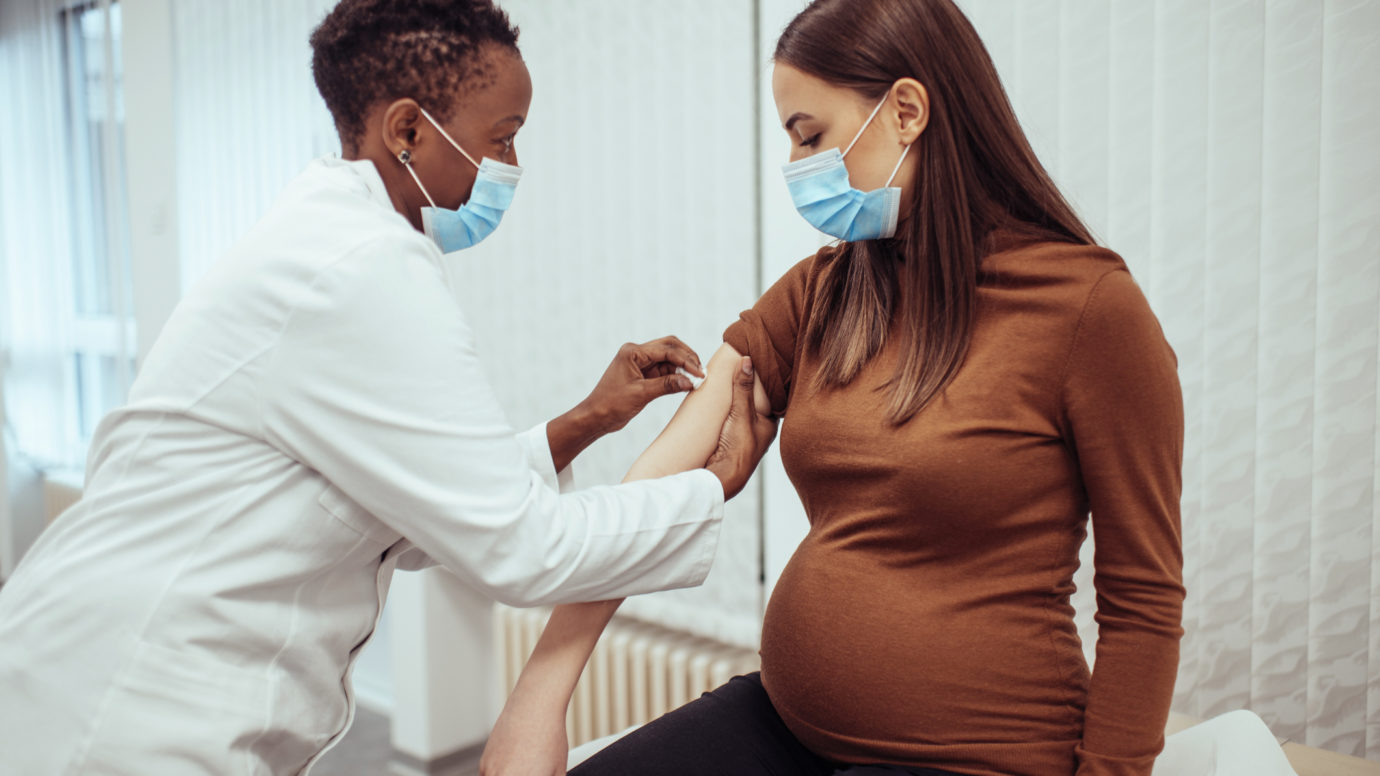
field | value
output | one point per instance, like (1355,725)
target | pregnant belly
(866,661)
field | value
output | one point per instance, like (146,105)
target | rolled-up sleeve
(375,383)
(769,331)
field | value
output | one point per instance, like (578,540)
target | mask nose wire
(447,136)
(856,137)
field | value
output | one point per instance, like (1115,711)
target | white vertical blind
(1291,148)
(1348,314)
(249,117)
(37,157)
(64,278)
(1229,150)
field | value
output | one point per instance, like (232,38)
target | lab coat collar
(368,175)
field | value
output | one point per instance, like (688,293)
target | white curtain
(1230,150)
(64,336)
(36,157)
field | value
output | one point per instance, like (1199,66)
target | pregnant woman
(962,380)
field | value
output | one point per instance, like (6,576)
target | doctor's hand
(745,437)
(638,374)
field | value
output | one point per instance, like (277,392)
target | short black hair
(371,51)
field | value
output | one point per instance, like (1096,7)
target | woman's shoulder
(1065,273)
(1081,290)
(1035,256)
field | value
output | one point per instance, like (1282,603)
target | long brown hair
(976,171)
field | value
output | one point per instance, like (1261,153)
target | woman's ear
(912,103)
(400,122)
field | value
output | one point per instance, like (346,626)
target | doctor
(314,416)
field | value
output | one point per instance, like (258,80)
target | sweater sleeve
(1124,413)
(768,331)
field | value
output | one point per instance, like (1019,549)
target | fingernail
(684,384)
(747,365)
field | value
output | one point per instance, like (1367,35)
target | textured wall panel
(1284,396)
(1225,524)
(1344,378)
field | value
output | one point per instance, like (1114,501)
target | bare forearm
(569,434)
(570,636)
(574,629)
(563,650)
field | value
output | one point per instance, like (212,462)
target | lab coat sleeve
(537,447)
(375,383)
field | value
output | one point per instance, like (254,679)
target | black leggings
(732,731)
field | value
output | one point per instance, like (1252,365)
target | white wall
(150,132)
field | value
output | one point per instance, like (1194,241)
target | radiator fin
(637,672)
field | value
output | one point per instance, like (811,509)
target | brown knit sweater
(925,619)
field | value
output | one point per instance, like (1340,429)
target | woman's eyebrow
(519,119)
(790,122)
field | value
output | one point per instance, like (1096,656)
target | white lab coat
(313,416)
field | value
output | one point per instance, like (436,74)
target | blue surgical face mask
(456,230)
(823,195)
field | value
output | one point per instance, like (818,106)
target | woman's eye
(810,141)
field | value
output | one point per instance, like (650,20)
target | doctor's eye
(507,142)
(809,142)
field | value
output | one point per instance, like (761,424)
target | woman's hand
(528,740)
(638,374)
(745,436)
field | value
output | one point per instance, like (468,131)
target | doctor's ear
(400,121)
(910,105)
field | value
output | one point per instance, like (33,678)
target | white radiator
(637,672)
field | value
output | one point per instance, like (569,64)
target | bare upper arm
(693,433)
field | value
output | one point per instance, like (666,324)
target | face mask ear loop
(406,158)
(447,136)
(863,128)
(897,168)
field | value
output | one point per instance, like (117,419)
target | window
(102,336)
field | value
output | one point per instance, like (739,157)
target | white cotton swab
(695,382)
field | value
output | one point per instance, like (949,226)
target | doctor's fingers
(656,387)
(665,350)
